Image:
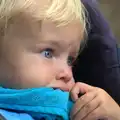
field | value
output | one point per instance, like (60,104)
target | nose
(64,74)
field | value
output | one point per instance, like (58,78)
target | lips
(62,86)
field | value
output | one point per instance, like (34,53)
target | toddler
(40,39)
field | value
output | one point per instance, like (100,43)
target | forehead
(72,30)
(68,35)
(30,31)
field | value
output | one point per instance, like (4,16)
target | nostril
(65,79)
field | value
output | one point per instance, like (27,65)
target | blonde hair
(62,12)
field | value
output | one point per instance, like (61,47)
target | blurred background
(111,10)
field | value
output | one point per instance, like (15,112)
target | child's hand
(95,104)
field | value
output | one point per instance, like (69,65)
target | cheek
(34,71)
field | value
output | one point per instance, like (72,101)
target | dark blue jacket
(98,64)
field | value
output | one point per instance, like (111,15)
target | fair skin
(38,54)
(35,55)
(95,104)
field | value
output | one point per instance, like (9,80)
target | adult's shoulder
(98,64)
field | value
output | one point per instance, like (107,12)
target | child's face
(39,55)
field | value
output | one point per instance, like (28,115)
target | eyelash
(71,60)
(49,53)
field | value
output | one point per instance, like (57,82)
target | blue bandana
(39,103)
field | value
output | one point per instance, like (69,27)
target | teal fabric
(37,102)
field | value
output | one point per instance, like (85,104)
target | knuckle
(77,83)
(102,95)
(100,90)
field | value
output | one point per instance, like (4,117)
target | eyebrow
(51,42)
(57,44)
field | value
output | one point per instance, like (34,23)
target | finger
(96,114)
(74,93)
(86,110)
(80,88)
(81,102)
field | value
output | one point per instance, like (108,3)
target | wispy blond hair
(62,12)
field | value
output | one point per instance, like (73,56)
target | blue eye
(48,53)
(70,60)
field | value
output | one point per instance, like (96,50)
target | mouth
(62,85)
(62,88)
